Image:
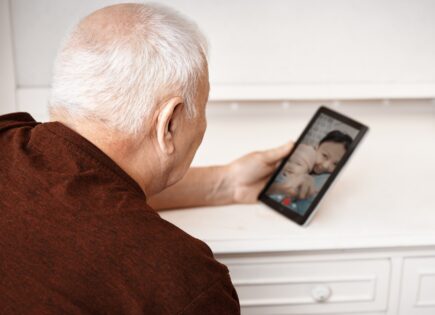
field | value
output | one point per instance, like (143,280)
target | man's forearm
(201,186)
(237,182)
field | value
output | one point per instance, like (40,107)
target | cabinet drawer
(418,286)
(311,287)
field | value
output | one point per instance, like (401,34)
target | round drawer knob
(321,293)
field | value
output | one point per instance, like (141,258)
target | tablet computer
(318,156)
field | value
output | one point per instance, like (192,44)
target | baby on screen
(297,180)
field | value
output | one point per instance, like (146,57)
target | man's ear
(167,120)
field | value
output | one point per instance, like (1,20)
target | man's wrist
(225,184)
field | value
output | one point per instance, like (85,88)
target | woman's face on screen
(328,155)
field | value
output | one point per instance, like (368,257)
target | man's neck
(127,153)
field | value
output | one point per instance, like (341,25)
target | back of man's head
(119,62)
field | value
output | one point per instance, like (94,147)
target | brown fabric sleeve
(220,298)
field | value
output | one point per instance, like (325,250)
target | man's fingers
(276,154)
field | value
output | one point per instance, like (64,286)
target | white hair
(121,81)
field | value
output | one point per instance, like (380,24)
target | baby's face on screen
(328,154)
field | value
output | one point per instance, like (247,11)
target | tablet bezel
(302,219)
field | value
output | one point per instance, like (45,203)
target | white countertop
(385,196)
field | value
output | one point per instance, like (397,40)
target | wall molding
(223,92)
(7,65)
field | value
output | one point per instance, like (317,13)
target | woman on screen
(307,170)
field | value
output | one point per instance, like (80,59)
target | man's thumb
(278,153)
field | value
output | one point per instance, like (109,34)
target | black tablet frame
(302,219)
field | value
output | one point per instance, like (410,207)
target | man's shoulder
(167,264)
(15,120)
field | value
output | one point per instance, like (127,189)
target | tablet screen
(315,160)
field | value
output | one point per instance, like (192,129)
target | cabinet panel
(311,287)
(418,286)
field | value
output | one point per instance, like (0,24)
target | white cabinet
(371,281)
(370,250)
(282,285)
(418,289)
(281,49)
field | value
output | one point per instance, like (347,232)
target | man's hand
(248,174)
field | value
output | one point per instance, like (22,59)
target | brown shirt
(77,237)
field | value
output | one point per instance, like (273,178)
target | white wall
(274,50)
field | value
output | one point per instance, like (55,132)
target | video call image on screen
(303,176)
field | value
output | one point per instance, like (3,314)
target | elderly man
(79,233)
